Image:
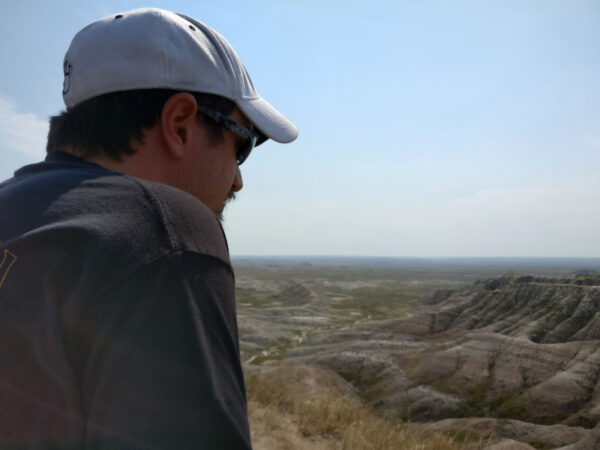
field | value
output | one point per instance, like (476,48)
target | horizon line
(408,257)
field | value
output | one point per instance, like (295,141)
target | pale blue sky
(427,128)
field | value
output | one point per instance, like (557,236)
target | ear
(178,116)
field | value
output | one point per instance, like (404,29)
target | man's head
(160,135)
(162,96)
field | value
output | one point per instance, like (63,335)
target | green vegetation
(378,302)
(253,298)
(510,406)
(379,291)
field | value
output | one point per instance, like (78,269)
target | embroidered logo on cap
(67,68)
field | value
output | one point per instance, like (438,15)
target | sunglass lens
(244,148)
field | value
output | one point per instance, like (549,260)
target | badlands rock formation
(518,347)
(515,357)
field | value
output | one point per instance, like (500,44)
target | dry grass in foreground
(292,408)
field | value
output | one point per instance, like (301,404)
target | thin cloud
(22,132)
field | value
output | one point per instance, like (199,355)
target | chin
(219,212)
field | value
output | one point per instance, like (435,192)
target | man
(117,309)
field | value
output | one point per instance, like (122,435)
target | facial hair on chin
(230,197)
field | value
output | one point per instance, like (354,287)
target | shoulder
(114,222)
(188,224)
(89,228)
(147,218)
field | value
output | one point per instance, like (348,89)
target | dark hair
(109,123)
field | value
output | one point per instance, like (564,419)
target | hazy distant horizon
(559,264)
(437,258)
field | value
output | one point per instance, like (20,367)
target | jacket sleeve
(163,369)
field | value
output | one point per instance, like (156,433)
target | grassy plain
(380,287)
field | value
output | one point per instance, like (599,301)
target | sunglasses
(244,147)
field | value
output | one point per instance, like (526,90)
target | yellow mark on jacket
(8,259)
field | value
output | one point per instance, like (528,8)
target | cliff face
(543,310)
(521,347)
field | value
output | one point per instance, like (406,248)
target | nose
(238,184)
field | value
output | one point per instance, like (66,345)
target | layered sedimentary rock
(519,348)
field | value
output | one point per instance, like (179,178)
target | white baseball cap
(152,48)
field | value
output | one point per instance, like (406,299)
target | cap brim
(268,120)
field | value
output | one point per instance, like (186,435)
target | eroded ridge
(513,357)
